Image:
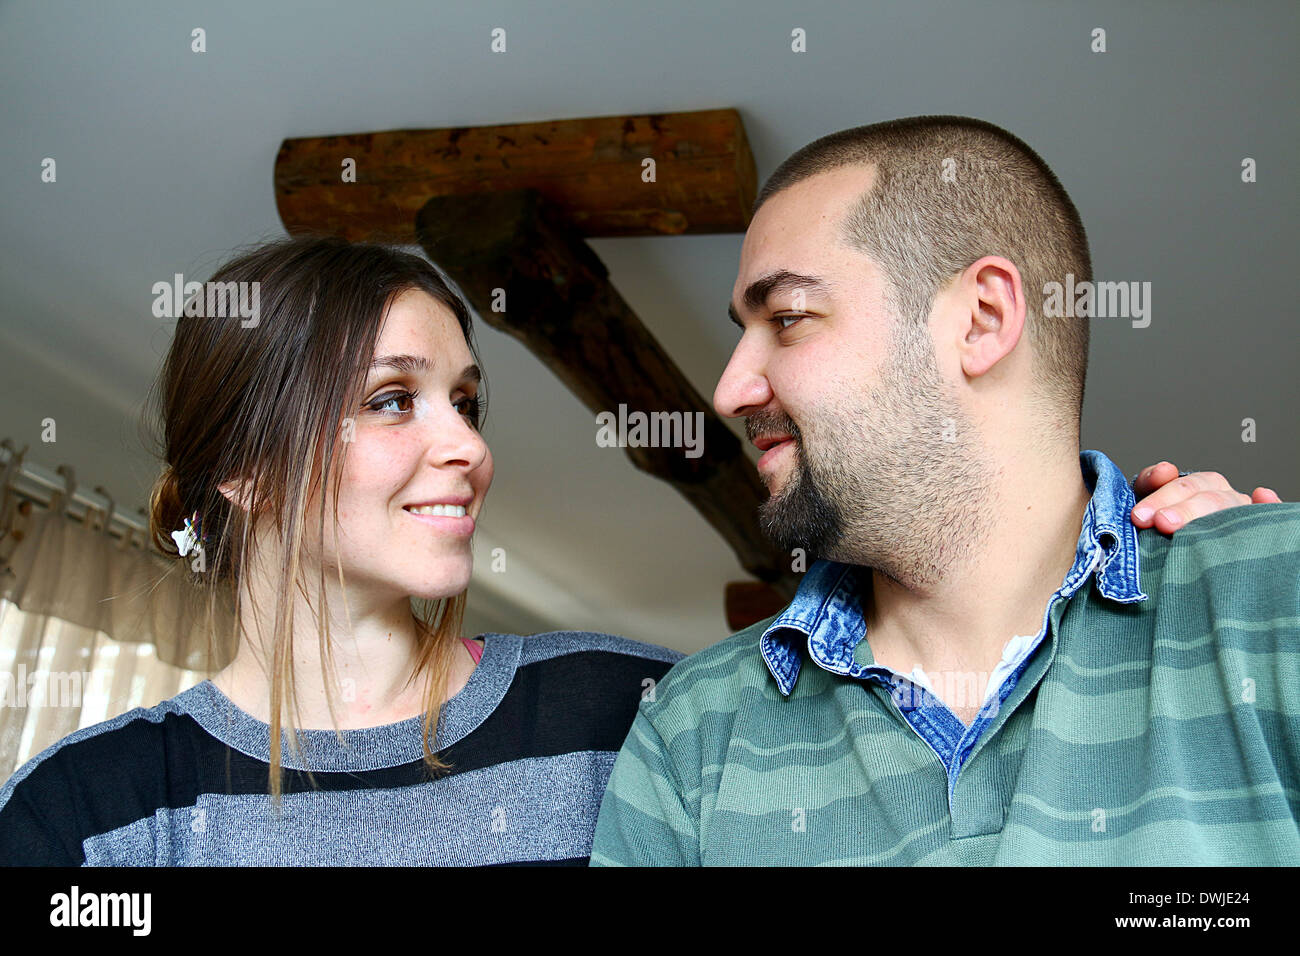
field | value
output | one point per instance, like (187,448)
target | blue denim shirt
(826,613)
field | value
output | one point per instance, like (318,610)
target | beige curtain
(90,626)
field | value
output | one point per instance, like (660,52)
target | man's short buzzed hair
(949,190)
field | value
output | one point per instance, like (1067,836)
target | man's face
(855,416)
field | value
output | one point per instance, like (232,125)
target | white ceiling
(165,162)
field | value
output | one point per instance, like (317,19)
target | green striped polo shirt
(1155,720)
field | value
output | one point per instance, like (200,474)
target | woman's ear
(237,492)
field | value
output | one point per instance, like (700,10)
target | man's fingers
(1262,496)
(1169,519)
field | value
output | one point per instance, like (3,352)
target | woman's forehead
(415,317)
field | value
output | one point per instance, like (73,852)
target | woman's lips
(463,526)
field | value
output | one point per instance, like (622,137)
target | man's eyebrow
(783,280)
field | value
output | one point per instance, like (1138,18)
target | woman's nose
(456,441)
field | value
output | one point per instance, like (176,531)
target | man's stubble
(894,478)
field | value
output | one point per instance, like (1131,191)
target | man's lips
(764,442)
(772,446)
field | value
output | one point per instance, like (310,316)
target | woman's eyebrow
(402,363)
(409,364)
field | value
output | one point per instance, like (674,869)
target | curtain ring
(15,462)
(13,468)
(70,487)
(112,506)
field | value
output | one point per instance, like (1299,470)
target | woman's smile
(445,519)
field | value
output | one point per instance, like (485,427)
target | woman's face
(415,468)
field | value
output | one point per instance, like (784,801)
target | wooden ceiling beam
(592,170)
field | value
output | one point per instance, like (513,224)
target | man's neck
(959,624)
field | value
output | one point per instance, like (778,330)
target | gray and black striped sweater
(531,738)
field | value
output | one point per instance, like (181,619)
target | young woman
(329,462)
(332,454)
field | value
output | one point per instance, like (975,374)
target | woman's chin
(444,587)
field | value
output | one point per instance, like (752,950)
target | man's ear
(992,311)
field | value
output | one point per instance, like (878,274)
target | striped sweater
(531,739)
(1155,720)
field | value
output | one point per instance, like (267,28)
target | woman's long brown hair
(265,403)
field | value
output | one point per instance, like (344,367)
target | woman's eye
(472,408)
(378,404)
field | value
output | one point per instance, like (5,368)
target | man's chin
(790,521)
(782,486)
(776,527)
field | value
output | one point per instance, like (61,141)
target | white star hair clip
(188,538)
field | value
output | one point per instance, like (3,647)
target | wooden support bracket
(560,304)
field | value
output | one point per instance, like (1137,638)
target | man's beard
(804,515)
(896,480)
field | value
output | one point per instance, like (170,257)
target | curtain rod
(46,481)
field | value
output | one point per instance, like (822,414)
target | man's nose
(743,386)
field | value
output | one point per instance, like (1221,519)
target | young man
(989,664)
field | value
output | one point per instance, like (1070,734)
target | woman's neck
(373,662)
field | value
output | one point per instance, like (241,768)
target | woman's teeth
(446,511)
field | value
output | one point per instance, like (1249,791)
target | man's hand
(1170,502)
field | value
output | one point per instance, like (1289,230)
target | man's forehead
(799,230)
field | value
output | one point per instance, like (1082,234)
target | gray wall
(165,161)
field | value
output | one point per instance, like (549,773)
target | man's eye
(388,398)
(785,321)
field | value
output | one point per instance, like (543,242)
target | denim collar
(827,609)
